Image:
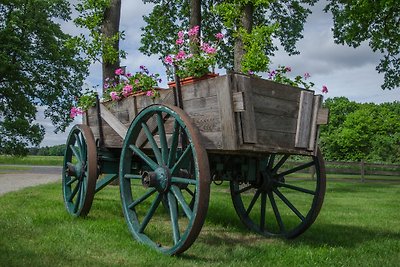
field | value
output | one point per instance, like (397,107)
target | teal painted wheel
(164,179)
(79,172)
(285,200)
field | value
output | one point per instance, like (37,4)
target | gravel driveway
(13,180)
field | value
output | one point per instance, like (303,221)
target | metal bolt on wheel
(79,173)
(285,200)
(164,179)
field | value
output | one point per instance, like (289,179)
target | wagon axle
(159,179)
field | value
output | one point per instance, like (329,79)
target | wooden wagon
(258,135)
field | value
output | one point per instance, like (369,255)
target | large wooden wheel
(285,200)
(79,172)
(163,161)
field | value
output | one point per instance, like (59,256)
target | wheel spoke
(77,155)
(298,168)
(174,144)
(132,176)
(244,189)
(263,208)
(150,213)
(253,201)
(271,161)
(78,140)
(178,194)
(183,159)
(71,197)
(142,198)
(78,199)
(163,138)
(181,180)
(289,204)
(144,157)
(280,163)
(276,212)
(189,191)
(72,181)
(152,143)
(300,189)
(173,210)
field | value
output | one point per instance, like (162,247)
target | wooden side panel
(247,118)
(304,123)
(200,102)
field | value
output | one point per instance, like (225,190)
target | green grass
(32,160)
(358,226)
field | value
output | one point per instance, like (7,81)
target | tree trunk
(195,20)
(109,29)
(247,25)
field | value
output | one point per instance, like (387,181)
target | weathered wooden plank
(238,102)
(323,116)
(268,122)
(314,128)
(275,106)
(302,138)
(279,140)
(212,140)
(275,90)
(248,123)
(207,121)
(113,121)
(225,105)
(201,89)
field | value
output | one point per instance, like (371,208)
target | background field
(358,226)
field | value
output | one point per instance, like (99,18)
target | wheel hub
(76,170)
(159,179)
(269,181)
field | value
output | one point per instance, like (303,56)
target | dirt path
(13,178)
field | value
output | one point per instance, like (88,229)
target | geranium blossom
(75,112)
(149,93)
(114,96)
(219,36)
(119,71)
(169,60)
(179,41)
(307,75)
(324,89)
(127,90)
(181,55)
(194,31)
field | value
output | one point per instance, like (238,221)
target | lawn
(32,160)
(359,225)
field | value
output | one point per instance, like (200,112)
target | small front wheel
(163,162)
(79,173)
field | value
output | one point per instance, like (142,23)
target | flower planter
(190,80)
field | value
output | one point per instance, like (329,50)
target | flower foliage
(124,84)
(279,75)
(194,64)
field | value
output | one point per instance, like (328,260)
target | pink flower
(75,112)
(181,34)
(119,71)
(169,60)
(324,89)
(288,69)
(181,55)
(137,81)
(219,36)
(194,31)
(127,90)
(114,96)
(129,74)
(149,93)
(271,74)
(307,75)
(206,47)
(179,41)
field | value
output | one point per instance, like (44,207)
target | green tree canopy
(168,17)
(361,131)
(38,67)
(377,22)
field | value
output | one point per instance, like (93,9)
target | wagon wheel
(79,172)
(163,161)
(283,201)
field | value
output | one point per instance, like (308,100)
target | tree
(378,23)
(361,131)
(101,18)
(247,23)
(39,67)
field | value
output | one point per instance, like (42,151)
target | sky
(346,71)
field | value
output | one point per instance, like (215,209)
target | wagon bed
(235,113)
